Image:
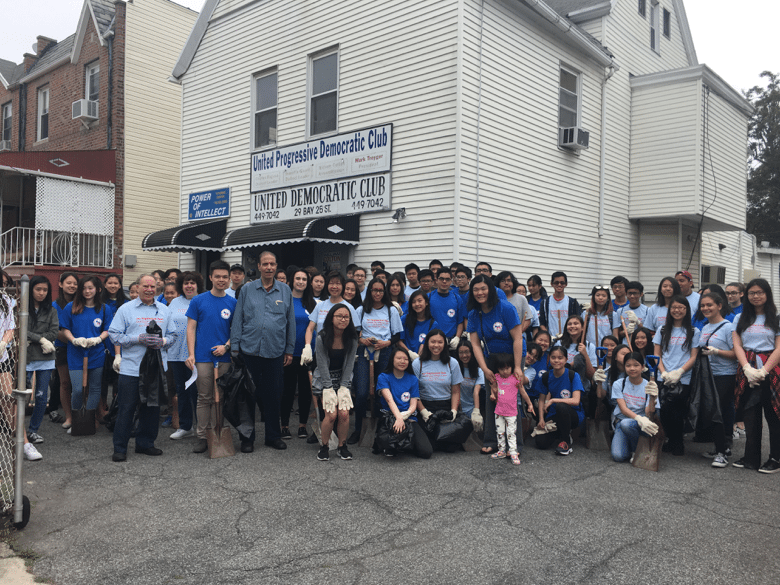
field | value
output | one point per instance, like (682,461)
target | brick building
(89,142)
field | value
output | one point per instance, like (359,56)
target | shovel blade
(220,443)
(596,439)
(368,432)
(648,450)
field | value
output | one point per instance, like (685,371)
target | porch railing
(37,247)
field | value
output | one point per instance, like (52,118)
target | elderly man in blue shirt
(128,330)
(263,333)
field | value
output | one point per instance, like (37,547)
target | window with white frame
(568,98)
(642,8)
(7,120)
(655,42)
(92,82)
(667,24)
(323,93)
(265,101)
(43,113)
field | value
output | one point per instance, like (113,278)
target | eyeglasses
(559,283)
(483,271)
(378,290)
(445,278)
(597,287)
(732,293)
(633,293)
(341,317)
(757,293)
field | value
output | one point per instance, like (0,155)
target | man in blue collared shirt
(263,333)
(128,330)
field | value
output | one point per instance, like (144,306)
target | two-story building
(89,157)
(539,135)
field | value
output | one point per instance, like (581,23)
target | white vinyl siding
(737,256)
(152,128)
(662,253)
(43,114)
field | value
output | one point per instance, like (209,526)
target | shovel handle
(216,388)
(601,353)
(84,369)
(625,332)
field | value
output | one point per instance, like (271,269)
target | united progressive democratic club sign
(338,175)
(209,204)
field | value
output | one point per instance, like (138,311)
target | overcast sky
(737,44)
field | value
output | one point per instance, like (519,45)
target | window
(642,8)
(7,119)
(43,113)
(654,40)
(324,93)
(568,98)
(265,110)
(667,24)
(92,82)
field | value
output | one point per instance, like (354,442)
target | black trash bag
(238,397)
(386,437)
(455,432)
(673,396)
(443,415)
(152,383)
(703,403)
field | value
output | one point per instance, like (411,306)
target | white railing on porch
(37,247)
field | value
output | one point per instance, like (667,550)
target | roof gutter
(574,34)
(53,176)
(51,66)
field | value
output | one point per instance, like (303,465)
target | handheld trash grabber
(368,430)
(83,419)
(220,439)
(648,449)
(598,427)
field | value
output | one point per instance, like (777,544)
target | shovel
(648,449)
(598,427)
(83,421)
(368,432)
(220,439)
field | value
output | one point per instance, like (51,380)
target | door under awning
(344,229)
(202,235)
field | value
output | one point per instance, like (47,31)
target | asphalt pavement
(283,517)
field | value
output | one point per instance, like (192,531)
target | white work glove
(117,362)
(554,338)
(631,321)
(398,306)
(454,343)
(426,414)
(406,414)
(600,376)
(549,427)
(93,341)
(80,342)
(46,345)
(413,355)
(3,345)
(477,420)
(647,426)
(673,377)
(752,374)
(709,350)
(651,389)
(454,412)
(306,357)
(345,400)
(763,373)
(329,400)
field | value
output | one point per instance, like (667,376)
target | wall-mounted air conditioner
(574,138)
(5,145)
(85,110)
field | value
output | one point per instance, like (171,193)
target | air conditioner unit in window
(5,145)
(85,110)
(574,138)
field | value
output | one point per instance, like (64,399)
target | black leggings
(754,424)
(566,418)
(420,444)
(673,418)
(296,375)
(722,433)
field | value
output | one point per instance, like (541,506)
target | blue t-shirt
(540,366)
(634,397)
(56,305)
(323,308)
(572,353)
(178,351)
(656,317)
(719,336)
(604,326)
(467,390)
(494,327)
(562,388)
(675,356)
(534,303)
(437,379)
(214,316)
(414,339)
(381,323)
(616,306)
(87,324)
(301,323)
(449,311)
(403,391)
(735,313)
(759,337)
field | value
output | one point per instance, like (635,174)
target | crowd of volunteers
(426,350)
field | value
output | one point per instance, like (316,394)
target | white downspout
(479,118)
(679,244)
(603,149)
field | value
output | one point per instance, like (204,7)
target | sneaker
(181,434)
(312,439)
(563,448)
(771,466)
(34,438)
(743,464)
(515,459)
(389,453)
(344,453)
(323,454)
(68,431)
(354,438)
(735,434)
(498,455)
(720,461)
(168,421)
(714,454)
(31,453)
(302,434)
(286,433)
(741,432)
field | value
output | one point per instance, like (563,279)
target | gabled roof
(103,12)
(53,56)
(571,7)
(7,69)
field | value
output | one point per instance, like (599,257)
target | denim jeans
(128,399)
(94,381)
(187,396)
(362,385)
(268,377)
(625,439)
(42,378)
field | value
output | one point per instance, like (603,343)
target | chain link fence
(9,360)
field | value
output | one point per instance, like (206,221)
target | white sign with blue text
(211,204)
